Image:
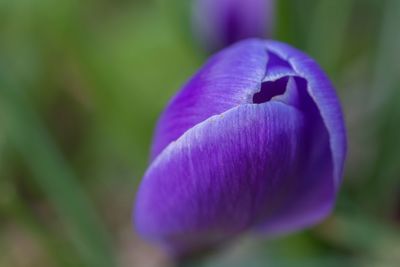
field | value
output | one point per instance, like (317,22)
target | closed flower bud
(219,23)
(255,141)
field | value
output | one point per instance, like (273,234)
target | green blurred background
(82,83)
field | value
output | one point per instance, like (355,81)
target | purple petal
(228,79)
(222,176)
(314,199)
(323,94)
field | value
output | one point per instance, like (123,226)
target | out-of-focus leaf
(327,31)
(27,134)
(13,208)
(290,25)
(364,235)
(381,186)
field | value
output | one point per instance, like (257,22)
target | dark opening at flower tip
(255,140)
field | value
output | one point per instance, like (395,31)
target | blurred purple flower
(219,23)
(254,141)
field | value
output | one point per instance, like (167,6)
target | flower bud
(255,141)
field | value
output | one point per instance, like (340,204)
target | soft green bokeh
(82,83)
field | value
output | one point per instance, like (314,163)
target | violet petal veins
(254,141)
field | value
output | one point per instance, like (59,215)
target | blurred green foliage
(82,83)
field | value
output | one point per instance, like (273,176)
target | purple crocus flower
(254,141)
(219,23)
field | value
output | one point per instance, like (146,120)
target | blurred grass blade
(364,235)
(29,137)
(16,209)
(291,22)
(381,187)
(328,31)
(387,64)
